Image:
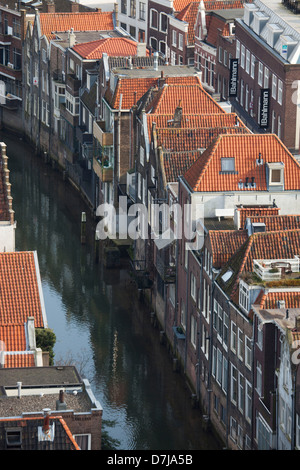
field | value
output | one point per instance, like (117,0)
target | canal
(100,326)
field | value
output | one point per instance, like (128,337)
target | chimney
(51,7)
(72,38)
(19,389)
(141,49)
(60,403)
(177,116)
(46,424)
(287,314)
(155,64)
(74,7)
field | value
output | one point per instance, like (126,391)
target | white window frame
(252,69)
(260,73)
(274,86)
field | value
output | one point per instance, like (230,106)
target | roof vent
(281,304)
(60,403)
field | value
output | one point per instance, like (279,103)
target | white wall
(7,236)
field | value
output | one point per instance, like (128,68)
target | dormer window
(244,296)
(227,165)
(276,175)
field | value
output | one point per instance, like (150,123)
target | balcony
(104,138)
(165,268)
(104,172)
(83,135)
(73,84)
(274,270)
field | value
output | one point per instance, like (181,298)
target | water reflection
(95,316)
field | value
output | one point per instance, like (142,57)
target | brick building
(267,47)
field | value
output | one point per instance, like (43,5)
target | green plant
(45,339)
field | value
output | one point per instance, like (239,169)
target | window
(132,31)
(132,8)
(259,339)
(252,72)
(193,287)
(233,342)
(17,59)
(258,378)
(224,375)
(242,93)
(142,155)
(16,28)
(124,7)
(227,164)
(243,57)
(153,19)
(174,38)
(153,43)
(180,41)
(279,98)
(83,441)
(240,351)
(225,329)
(244,296)
(279,127)
(219,367)
(248,401)
(274,86)
(276,173)
(233,428)
(13,438)
(237,49)
(247,61)
(173,58)
(183,315)
(260,73)
(142,11)
(225,57)
(193,331)
(220,54)
(163,22)
(205,345)
(241,393)
(248,352)
(266,78)
(234,384)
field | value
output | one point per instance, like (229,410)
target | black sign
(264,107)
(233,79)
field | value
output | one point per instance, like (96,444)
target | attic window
(13,438)
(276,174)
(227,165)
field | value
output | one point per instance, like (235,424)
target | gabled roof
(269,300)
(133,89)
(206,175)
(189,15)
(224,244)
(191,98)
(13,336)
(115,47)
(20,290)
(178,139)
(284,244)
(195,120)
(52,23)
(255,211)
(176,163)
(277,222)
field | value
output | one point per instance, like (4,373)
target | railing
(272,270)
(166,270)
(104,138)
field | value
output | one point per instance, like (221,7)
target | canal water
(99,325)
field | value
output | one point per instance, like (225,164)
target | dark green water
(98,323)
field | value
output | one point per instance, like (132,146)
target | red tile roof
(205,174)
(133,89)
(255,211)
(189,15)
(277,222)
(178,139)
(13,336)
(192,98)
(19,360)
(52,23)
(269,300)
(196,120)
(175,164)
(19,290)
(224,244)
(115,47)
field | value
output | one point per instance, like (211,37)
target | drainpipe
(200,329)
(119,145)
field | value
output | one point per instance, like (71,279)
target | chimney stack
(51,7)
(72,38)
(155,55)
(60,403)
(75,7)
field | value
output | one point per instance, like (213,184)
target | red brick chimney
(75,7)
(51,7)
